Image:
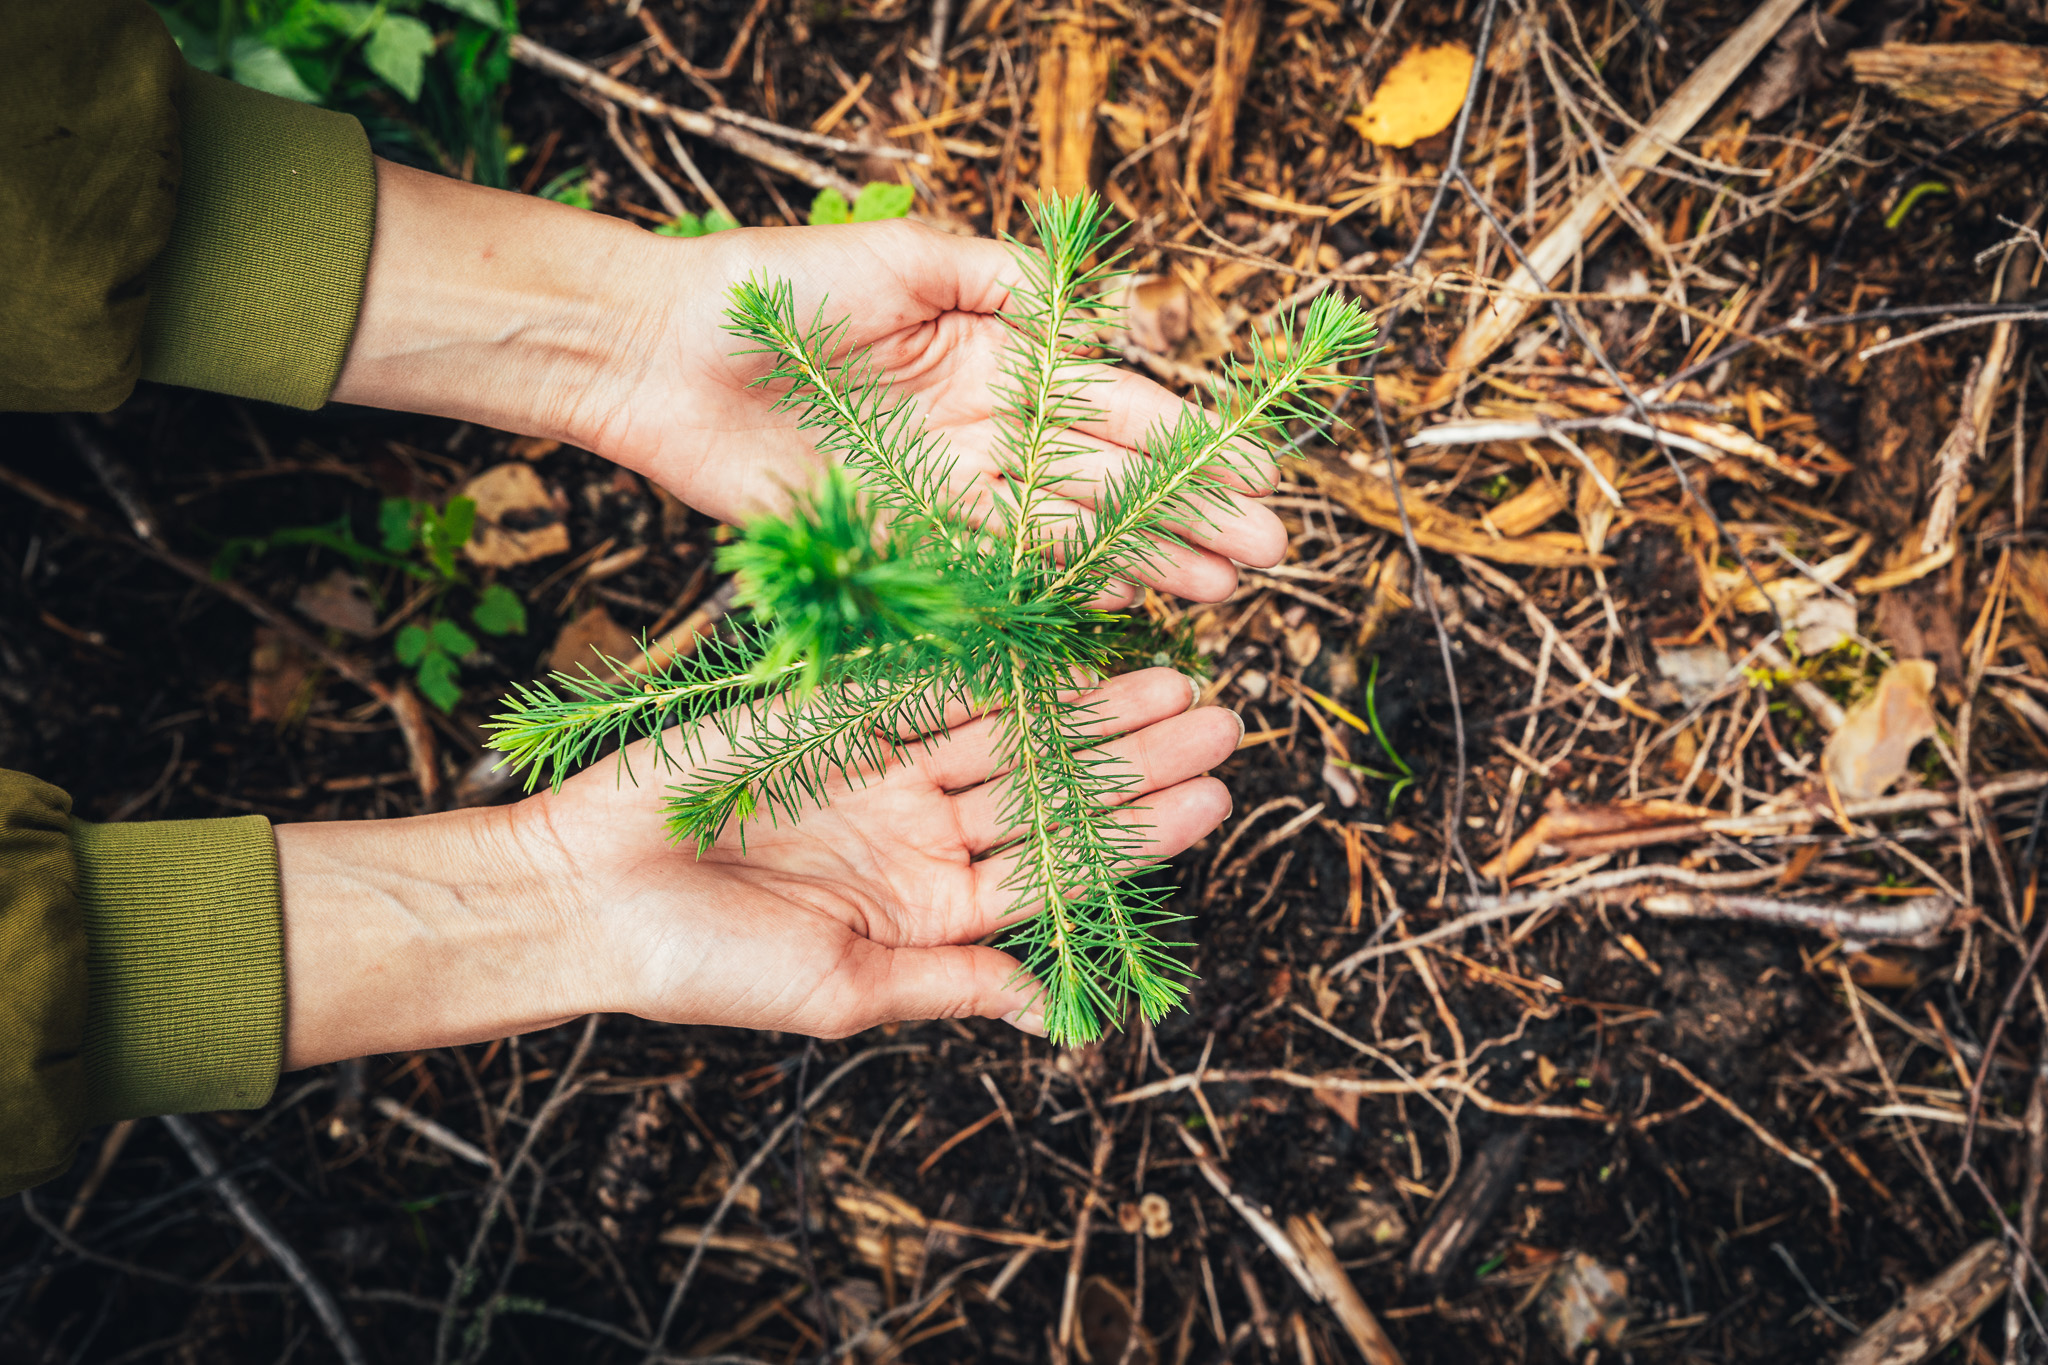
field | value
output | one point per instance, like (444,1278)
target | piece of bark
(1935,1313)
(1073,77)
(1971,84)
(1462,1218)
(1897,431)
(1237,38)
(1340,1294)
(1576,225)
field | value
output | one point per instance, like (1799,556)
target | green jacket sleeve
(167,224)
(144,967)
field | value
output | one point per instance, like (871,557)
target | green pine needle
(886,595)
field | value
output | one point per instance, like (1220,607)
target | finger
(889,985)
(1158,756)
(971,754)
(1168,823)
(1135,410)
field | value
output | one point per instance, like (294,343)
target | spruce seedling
(889,592)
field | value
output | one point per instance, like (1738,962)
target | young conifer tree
(886,594)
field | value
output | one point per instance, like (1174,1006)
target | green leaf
(878,200)
(410,645)
(199,47)
(260,66)
(437,681)
(485,12)
(398,52)
(568,188)
(395,517)
(720,221)
(452,639)
(499,611)
(688,225)
(829,207)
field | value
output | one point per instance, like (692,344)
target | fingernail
(1027,1020)
(1194,690)
(1238,716)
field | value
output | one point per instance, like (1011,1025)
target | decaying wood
(1357,1320)
(1555,250)
(1237,41)
(1463,1215)
(1073,76)
(1370,498)
(1920,922)
(1975,84)
(1935,1313)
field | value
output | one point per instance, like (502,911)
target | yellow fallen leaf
(1419,98)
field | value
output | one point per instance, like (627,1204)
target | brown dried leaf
(592,641)
(338,602)
(517,519)
(1872,749)
(278,670)
(1158,312)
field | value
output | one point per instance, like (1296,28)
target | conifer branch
(876,602)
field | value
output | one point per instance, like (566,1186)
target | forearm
(501,309)
(425,932)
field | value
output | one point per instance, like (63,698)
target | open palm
(873,911)
(929,305)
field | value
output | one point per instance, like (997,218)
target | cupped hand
(871,910)
(930,306)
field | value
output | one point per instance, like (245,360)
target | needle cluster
(897,589)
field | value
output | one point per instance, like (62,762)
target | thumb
(955,982)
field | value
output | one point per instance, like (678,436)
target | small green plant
(420,541)
(885,596)
(426,80)
(876,201)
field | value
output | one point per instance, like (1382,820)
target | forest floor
(1623,946)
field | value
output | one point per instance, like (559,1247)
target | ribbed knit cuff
(185,959)
(258,291)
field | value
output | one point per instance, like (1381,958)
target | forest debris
(1073,77)
(1933,1314)
(1584,1303)
(278,670)
(1563,821)
(338,602)
(1821,623)
(1104,1323)
(769,1251)
(1697,671)
(591,643)
(1466,1211)
(1155,1216)
(517,519)
(1573,228)
(1798,62)
(1157,312)
(1372,1224)
(1976,84)
(1237,40)
(1872,749)
(1763,1134)
(1919,922)
(1370,498)
(637,1153)
(1339,1293)
(1418,98)
(439,1134)
(1259,1220)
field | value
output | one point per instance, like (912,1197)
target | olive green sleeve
(166,224)
(145,972)
(257,291)
(89,167)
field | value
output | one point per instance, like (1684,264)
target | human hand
(456,928)
(530,316)
(927,306)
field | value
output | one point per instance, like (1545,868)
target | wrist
(501,309)
(425,932)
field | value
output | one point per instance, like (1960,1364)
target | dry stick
(748,144)
(500,1189)
(1105,1140)
(670,200)
(266,1234)
(820,1304)
(1456,814)
(689,165)
(1891,1090)
(1764,1135)
(441,1136)
(2005,1013)
(1556,248)
(2036,1129)
(400,701)
(824,141)
(732,54)
(1256,1218)
(1568,318)
(657,1347)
